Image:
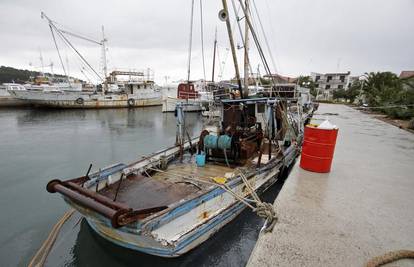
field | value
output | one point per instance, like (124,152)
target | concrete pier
(363,208)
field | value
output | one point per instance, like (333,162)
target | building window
(327,86)
(340,86)
(329,78)
(317,78)
(342,78)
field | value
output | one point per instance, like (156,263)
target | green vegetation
(9,75)
(350,94)
(393,96)
(384,91)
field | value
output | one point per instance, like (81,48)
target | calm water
(38,145)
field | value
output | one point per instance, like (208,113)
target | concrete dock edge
(363,208)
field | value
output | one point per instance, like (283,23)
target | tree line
(10,75)
(383,91)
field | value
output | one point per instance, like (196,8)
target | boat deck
(162,188)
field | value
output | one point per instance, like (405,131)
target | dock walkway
(363,208)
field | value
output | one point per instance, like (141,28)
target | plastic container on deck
(318,149)
(201,160)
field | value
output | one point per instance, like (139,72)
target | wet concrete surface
(363,208)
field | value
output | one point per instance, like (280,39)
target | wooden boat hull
(191,222)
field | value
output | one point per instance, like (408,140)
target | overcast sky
(303,35)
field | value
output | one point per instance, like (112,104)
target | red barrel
(318,149)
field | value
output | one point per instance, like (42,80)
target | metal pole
(190,42)
(214,55)
(246,51)
(105,68)
(233,49)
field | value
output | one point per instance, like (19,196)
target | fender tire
(80,101)
(131,102)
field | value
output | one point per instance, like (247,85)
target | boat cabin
(187,91)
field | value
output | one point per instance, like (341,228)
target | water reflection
(39,145)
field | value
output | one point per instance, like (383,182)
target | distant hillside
(9,74)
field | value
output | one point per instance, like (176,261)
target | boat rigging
(61,33)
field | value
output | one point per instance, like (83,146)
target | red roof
(406,74)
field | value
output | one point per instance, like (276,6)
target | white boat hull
(60,99)
(190,105)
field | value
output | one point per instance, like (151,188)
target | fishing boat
(169,202)
(137,90)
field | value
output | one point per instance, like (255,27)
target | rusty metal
(57,186)
(87,174)
(120,214)
(97,197)
(119,186)
(130,217)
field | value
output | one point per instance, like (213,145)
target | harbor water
(37,145)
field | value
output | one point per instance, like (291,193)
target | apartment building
(326,83)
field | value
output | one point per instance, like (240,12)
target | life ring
(79,101)
(131,102)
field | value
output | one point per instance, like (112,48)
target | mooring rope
(262,209)
(390,257)
(40,257)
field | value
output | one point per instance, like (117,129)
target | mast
(246,51)
(214,55)
(41,62)
(190,42)
(105,67)
(224,15)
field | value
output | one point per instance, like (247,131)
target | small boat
(6,99)
(195,96)
(169,202)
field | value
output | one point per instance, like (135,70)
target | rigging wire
(238,19)
(265,36)
(223,64)
(272,31)
(77,52)
(60,57)
(190,41)
(259,48)
(202,38)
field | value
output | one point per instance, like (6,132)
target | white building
(328,82)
